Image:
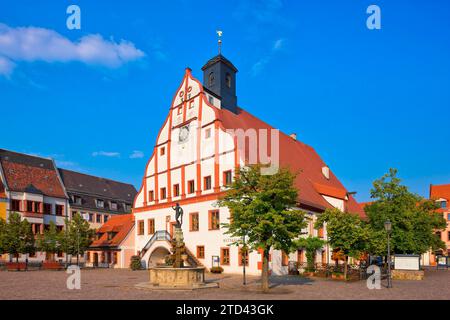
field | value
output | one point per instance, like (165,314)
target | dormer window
(100,203)
(326,172)
(228,80)
(211,79)
(443,204)
(77,200)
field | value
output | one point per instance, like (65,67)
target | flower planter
(308,274)
(51,265)
(337,276)
(14,266)
(216,270)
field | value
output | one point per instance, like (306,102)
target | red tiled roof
(26,173)
(440,191)
(299,157)
(2,190)
(365,204)
(121,224)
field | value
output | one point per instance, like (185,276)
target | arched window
(228,80)
(211,79)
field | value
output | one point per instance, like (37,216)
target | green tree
(311,245)
(18,237)
(28,243)
(414,219)
(13,235)
(261,208)
(79,236)
(49,242)
(346,232)
(2,235)
(64,240)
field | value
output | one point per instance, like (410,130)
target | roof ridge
(97,177)
(28,154)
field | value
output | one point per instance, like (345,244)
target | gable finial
(219,34)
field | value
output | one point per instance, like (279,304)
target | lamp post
(388,228)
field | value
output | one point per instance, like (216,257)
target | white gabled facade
(192,157)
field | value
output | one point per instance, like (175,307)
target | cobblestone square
(109,284)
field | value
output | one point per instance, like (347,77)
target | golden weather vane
(219,34)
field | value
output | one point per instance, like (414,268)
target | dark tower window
(228,80)
(211,79)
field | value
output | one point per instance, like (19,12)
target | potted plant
(135,263)
(216,270)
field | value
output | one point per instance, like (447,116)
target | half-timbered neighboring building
(195,157)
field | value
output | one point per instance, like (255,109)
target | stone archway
(157,256)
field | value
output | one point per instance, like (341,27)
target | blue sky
(366,100)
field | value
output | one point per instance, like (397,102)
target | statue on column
(178,215)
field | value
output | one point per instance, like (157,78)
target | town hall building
(194,158)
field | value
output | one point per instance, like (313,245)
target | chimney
(293,136)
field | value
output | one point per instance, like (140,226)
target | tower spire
(219,41)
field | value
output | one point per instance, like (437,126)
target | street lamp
(388,228)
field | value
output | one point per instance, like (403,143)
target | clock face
(184,134)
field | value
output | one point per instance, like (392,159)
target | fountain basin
(166,278)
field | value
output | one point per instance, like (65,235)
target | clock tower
(219,77)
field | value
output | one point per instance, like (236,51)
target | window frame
(210,220)
(141,224)
(200,249)
(191,222)
(222,256)
(207,183)
(225,175)
(163,193)
(191,183)
(151,226)
(176,190)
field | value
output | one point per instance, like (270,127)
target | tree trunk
(78,259)
(17,262)
(265,271)
(345,267)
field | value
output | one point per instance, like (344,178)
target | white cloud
(39,44)
(6,66)
(137,154)
(105,154)
(278,44)
(261,63)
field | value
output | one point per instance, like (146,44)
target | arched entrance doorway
(158,256)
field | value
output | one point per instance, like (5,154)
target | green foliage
(2,235)
(311,245)
(413,218)
(76,237)
(346,232)
(17,236)
(135,263)
(79,235)
(261,207)
(49,242)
